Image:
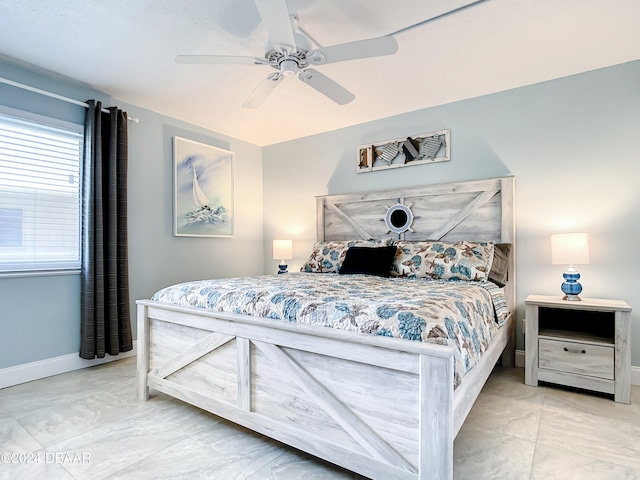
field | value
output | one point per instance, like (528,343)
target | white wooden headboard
(481,210)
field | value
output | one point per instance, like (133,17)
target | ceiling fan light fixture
(288,67)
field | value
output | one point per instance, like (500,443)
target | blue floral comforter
(463,314)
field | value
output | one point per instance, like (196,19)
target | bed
(387,408)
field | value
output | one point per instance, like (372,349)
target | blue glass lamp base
(571,287)
(282,268)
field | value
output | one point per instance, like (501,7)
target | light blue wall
(40,316)
(572,144)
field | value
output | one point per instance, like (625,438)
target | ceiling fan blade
(263,90)
(275,16)
(224,59)
(326,86)
(373,47)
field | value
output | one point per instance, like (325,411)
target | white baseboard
(635,371)
(48,367)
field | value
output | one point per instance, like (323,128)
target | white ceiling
(125,48)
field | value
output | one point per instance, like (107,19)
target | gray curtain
(105,319)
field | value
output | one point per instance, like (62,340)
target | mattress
(460,313)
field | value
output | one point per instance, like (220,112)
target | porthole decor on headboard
(399,218)
(430,147)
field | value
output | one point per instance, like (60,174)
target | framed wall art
(203,190)
(402,152)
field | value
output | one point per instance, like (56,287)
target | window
(39,194)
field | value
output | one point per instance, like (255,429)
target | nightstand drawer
(576,357)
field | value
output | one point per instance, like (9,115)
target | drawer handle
(574,350)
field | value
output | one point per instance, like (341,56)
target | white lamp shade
(282,249)
(570,249)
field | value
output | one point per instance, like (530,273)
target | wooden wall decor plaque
(402,152)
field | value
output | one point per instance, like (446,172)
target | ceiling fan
(289,52)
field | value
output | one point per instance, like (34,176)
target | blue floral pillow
(443,260)
(327,257)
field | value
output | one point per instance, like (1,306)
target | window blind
(39,195)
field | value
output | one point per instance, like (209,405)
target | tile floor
(513,432)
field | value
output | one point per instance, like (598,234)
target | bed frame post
(508,357)
(143,352)
(436,418)
(320,202)
(508,235)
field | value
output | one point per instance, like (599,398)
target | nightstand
(583,344)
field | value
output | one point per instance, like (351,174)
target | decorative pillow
(443,260)
(500,265)
(327,257)
(369,260)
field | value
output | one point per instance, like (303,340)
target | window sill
(38,273)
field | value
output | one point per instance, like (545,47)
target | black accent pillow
(369,260)
(500,266)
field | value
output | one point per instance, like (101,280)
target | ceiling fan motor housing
(301,47)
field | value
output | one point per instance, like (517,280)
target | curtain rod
(55,95)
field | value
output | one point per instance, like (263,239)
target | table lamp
(282,250)
(570,249)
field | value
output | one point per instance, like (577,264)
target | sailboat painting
(203,190)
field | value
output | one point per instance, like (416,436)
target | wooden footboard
(382,407)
